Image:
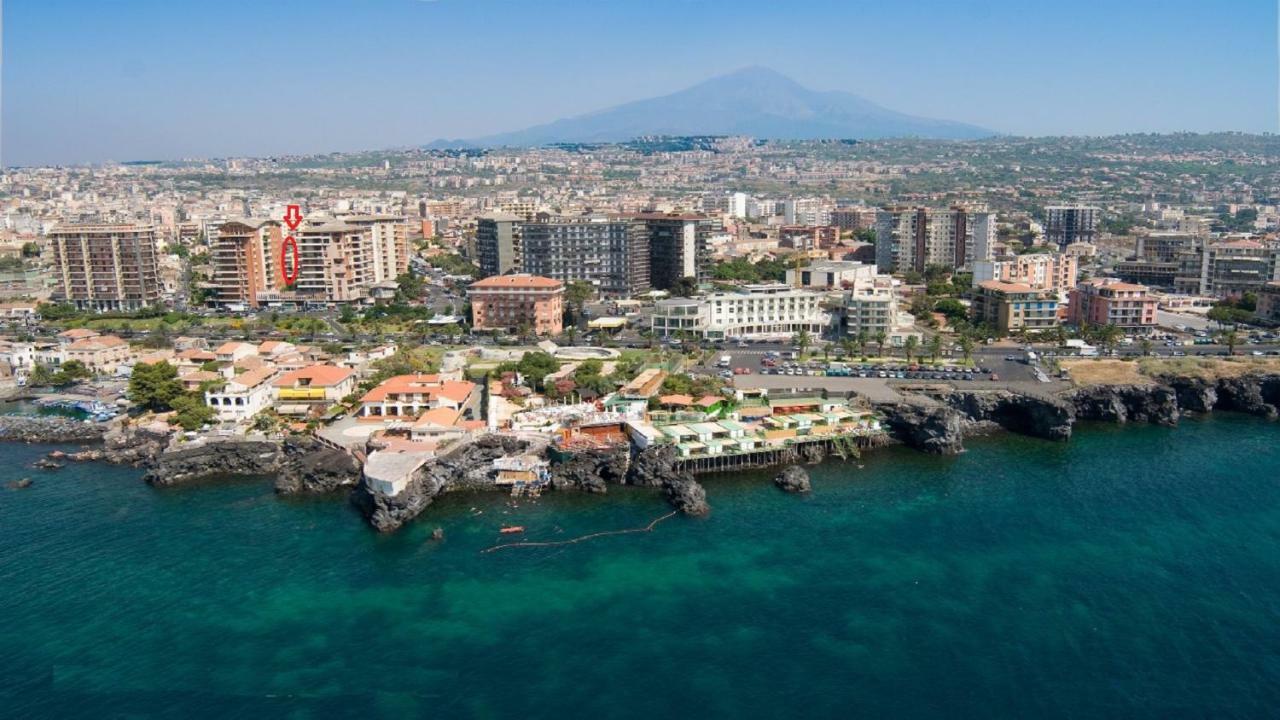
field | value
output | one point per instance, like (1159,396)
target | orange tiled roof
(517,281)
(446,417)
(429,385)
(318,375)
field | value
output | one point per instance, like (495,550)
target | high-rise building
(389,240)
(246,262)
(854,218)
(678,247)
(1067,224)
(498,249)
(106,267)
(913,238)
(1042,271)
(335,263)
(610,253)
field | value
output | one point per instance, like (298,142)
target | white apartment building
(388,244)
(871,307)
(763,310)
(829,275)
(1056,272)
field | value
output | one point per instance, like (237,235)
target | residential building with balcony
(1013,307)
(106,267)
(871,307)
(1069,224)
(389,248)
(508,302)
(913,238)
(301,391)
(760,311)
(678,247)
(497,243)
(242,396)
(611,254)
(405,397)
(246,263)
(1056,272)
(1108,301)
(335,263)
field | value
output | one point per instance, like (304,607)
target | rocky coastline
(936,424)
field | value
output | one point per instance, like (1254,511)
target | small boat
(510,529)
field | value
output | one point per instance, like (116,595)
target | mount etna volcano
(754,101)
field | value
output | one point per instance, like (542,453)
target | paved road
(1192,322)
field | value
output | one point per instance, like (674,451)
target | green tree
(1109,336)
(881,337)
(953,309)
(934,347)
(1145,346)
(70,372)
(802,340)
(155,386)
(909,347)
(966,347)
(535,366)
(190,411)
(577,295)
(684,287)
(1230,338)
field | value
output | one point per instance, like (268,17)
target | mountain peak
(754,100)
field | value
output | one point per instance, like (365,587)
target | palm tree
(847,344)
(1229,338)
(935,347)
(571,333)
(1145,345)
(910,346)
(966,348)
(802,341)
(880,338)
(862,339)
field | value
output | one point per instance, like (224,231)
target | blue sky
(93,80)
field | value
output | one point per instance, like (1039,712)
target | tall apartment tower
(913,238)
(1067,224)
(610,253)
(106,267)
(498,249)
(678,247)
(245,255)
(389,240)
(335,263)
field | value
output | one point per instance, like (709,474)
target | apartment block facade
(246,264)
(1056,272)
(389,244)
(498,249)
(508,302)
(1068,224)
(1012,307)
(913,238)
(763,310)
(678,247)
(610,253)
(1108,301)
(335,263)
(106,266)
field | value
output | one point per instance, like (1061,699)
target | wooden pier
(754,460)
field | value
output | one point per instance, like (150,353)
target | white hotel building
(760,311)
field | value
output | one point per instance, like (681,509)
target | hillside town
(737,302)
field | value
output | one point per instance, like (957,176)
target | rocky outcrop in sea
(592,470)
(686,495)
(793,479)
(466,467)
(308,466)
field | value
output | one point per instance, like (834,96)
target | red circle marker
(289,271)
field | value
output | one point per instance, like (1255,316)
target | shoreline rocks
(308,466)
(49,429)
(686,495)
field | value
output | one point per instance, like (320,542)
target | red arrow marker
(293,216)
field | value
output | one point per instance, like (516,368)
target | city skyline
(147,80)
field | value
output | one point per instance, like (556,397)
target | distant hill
(754,101)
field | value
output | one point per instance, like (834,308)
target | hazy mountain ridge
(754,101)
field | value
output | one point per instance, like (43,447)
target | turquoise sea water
(1134,572)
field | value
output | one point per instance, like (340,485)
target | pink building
(1056,272)
(1108,301)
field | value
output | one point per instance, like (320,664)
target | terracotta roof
(676,400)
(228,348)
(254,378)
(443,416)
(78,333)
(1005,286)
(428,385)
(518,281)
(101,342)
(196,354)
(199,376)
(708,400)
(317,375)
(273,346)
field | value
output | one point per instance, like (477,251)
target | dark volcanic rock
(686,495)
(1253,394)
(1127,403)
(310,466)
(1040,417)
(19,484)
(937,429)
(47,429)
(388,512)
(214,458)
(793,479)
(651,466)
(591,471)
